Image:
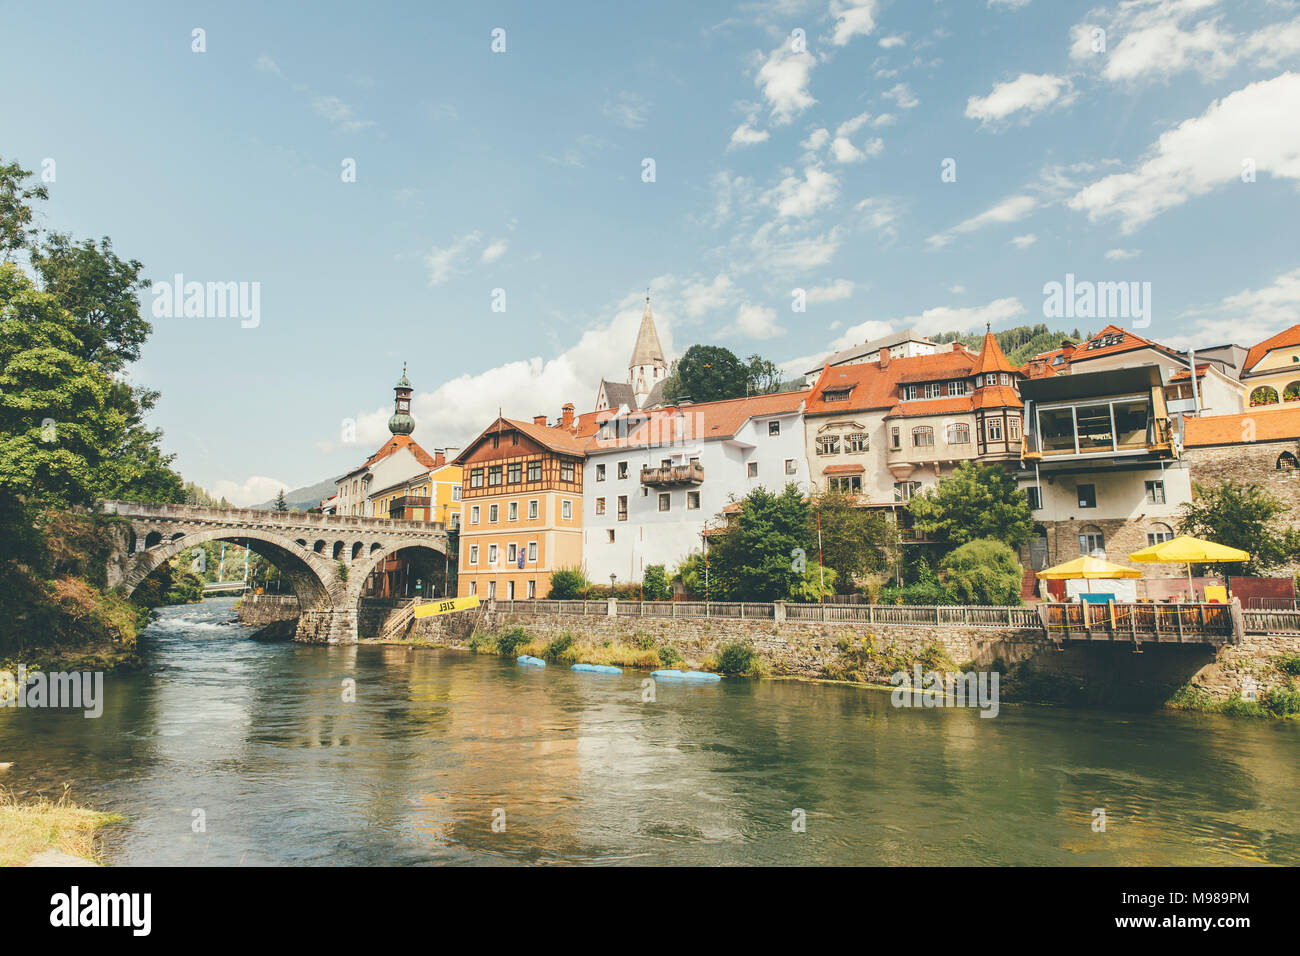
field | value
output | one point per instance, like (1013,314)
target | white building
(653,479)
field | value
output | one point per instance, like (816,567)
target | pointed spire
(647,350)
(991,357)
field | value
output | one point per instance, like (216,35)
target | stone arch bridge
(324,558)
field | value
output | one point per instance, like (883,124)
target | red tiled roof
(700,420)
(1183,375)
(932,406)
(843,470)
(876,387)
(1284,339)
(1127,343)
(1277,424)
(991,358)
(996,396)
(397,443)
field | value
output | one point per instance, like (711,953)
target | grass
(1277,703)
(28,827)
(638,652)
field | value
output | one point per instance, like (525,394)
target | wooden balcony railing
(690,474)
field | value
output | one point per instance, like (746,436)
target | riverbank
(38,831)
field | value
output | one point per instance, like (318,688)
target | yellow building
(432,495)
(1271,372)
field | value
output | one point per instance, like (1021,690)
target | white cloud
(442,262)
(1025,241)
(858,334)
(783,80)
(1009,4)
(884,119)
(1120,255)
(778,248)
(701,297)
(495,251)
(852,18)
(1205,152)
(799,197)
(957,289)
(629,110)
(878,214)
(835,291)
(1245,318)
(1011,209)
(754,322)
(745,135)
(251,491)
(890,42)
(940,319)
(266,65)
(1028,92)
(340,114)
(902,95)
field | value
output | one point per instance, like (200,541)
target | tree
(1240,516)
(280,503)
(764,376)
(761,554)
(854,541)
(983,572)
(707,373)
(690,574)
(974,501)
(16,230)
(655,583)
(567,584)
(814,585)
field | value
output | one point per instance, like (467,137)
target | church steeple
(648,366)
(402,423)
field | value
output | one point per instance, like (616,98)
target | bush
(1281,702)
(559,651)
(1289,664)
(926,589)
(736,659)
(655,582)
(508,641)
(669,655)
(983,572)
(567,584)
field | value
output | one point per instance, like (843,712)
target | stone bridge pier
(325,559)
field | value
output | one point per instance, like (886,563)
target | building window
(828,445)
(933,390)
(835,395)
(492,555)
(566,509)
(910,392)
(1155,492)
(455,492)
(514,473)
(1004,378)
(532,590)
(665,502)
(905,490)
(1287,462)
(622,507)
(476,478)
(1035,496)
(610,539)
(1091,541)
(895,441)
(532,550)
(492,590)
(473,554)
(512,511)
(995,429)
(512,554)
(856,442)
(600,506)
(492,513)
(958,434)
(566,471)
(494,475)
(622,470)
(534,471)
(751,469)
(1159,533)
(790,466)
(692,501)
(1013,428)
(922,436)
(849,484)
(532,508)
(957,387)
(600,472)
(473,514)
(1087,496)
(1264,395)
(473,587)
(774,428)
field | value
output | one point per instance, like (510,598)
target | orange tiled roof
(1284,339)
(1184,375)
(991,357)
(396,444)
(843,470)
(701,420)
(875,387)
(1277,424)
(996,396)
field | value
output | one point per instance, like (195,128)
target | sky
(484,192)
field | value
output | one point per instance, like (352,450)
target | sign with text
(447,606)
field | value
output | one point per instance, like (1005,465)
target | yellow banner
(446,606)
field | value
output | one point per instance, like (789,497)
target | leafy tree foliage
(280,503)
(854,541)
(707,373)
(655,583)
(1240,516)
(16,229)
(762,553)
(974,501)
(567,584)
(983,572)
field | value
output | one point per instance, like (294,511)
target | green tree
(690,574)
(761,553)
(655,583)
(707,373)
(814,585)
(764,376)
(983,572)
(854,541)
(567,584)
(16,230)
(974,501)
(1240,516)
(280,503)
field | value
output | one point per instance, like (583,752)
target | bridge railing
(1163,622)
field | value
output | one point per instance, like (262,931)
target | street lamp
(612,578)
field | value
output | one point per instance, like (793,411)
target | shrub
(643,641)
(1289,664)
(508,641)
(655,583)
(926,589)
(1281,702)
(669,655)
(559,650)
(983,572)
(736,658)
(567,584)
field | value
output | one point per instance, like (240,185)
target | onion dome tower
(402,423)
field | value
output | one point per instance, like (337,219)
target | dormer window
(836,395)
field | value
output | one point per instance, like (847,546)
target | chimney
(439,457)
(1067,350)
(684,400)
(566,418)
(451,452)
(884,358)
(539,420)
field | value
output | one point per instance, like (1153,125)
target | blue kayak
(596,669)
(701,676)
(531,661)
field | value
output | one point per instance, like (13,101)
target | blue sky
(783,161)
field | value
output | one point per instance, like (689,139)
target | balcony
(672,475)
(398,507)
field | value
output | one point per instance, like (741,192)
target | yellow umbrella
(1086,566)
(1188,550)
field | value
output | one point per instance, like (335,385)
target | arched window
(1159,532)
(958,433)
(1287,462)
(1092,541)
(922,436)
(1264,395)
(1291,393)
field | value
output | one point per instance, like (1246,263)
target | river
(439,744)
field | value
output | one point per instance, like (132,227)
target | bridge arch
(310,576)
(430,561)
